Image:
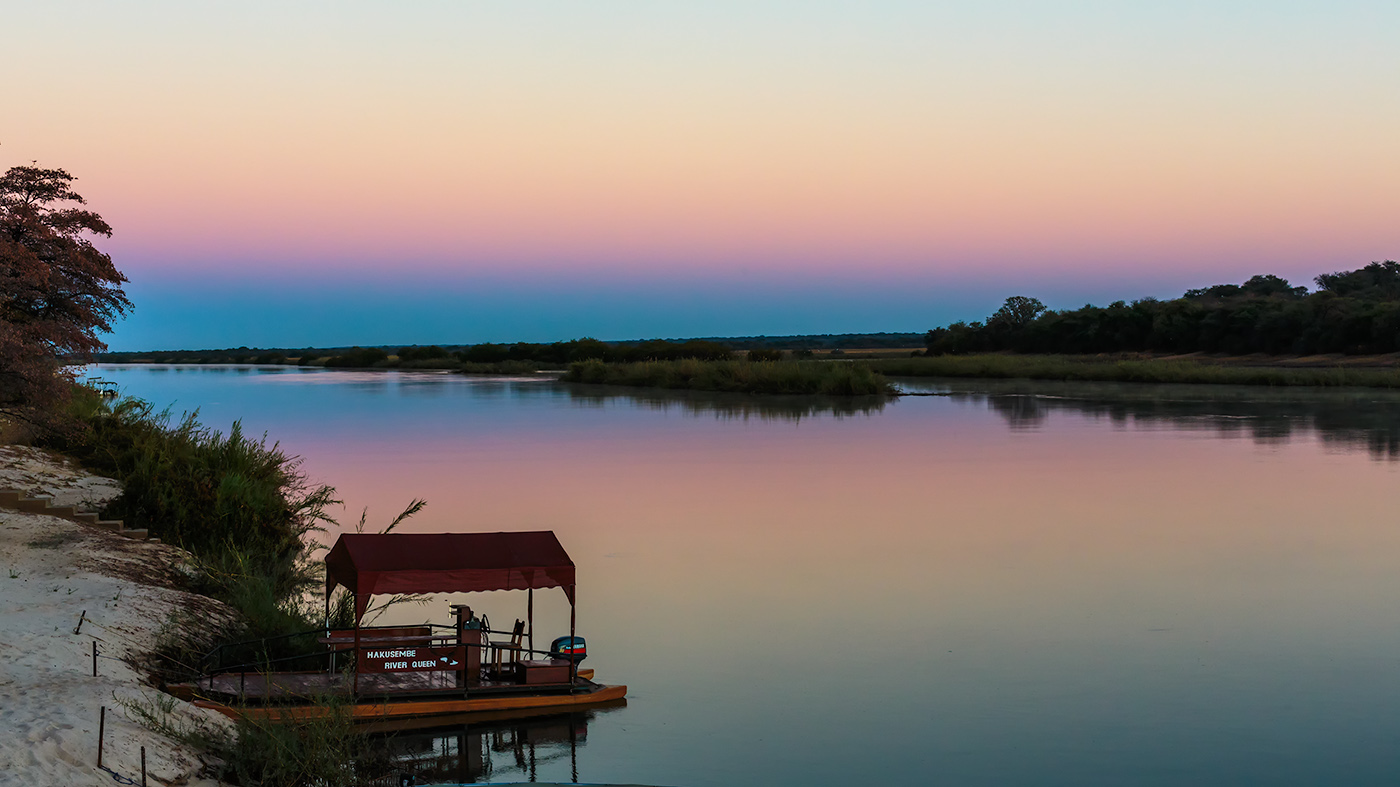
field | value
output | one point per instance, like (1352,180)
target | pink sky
(1072,140)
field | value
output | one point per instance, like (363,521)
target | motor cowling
(570,648)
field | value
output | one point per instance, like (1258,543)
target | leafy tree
(1017,312)
(1268,284)
(1379,280)
(57,291)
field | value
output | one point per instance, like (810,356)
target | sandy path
(51,570)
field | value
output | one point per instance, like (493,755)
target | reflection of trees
(728,405)
(1351,419)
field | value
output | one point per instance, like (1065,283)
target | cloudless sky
(300,173)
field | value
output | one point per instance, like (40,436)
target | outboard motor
(570,648)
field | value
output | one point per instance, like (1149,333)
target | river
(999,583)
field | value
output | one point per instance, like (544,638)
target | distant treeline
(1353,312)
(822,341)
(555,354)
(478,357)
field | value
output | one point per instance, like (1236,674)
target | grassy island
(753,377)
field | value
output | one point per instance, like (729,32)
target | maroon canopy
(368,564)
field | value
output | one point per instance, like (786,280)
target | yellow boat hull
(404,709)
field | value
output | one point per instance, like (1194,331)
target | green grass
(1071,367)
(752,377)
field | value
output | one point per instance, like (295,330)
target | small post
(81,618)
(143,766)
(101,732)
(94,658)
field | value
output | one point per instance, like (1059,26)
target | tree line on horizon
(550,352)
(1351,312)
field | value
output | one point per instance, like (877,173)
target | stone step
(34,505)
(15,499)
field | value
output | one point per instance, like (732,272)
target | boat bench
(540,671)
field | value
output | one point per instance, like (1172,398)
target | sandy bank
(51,571)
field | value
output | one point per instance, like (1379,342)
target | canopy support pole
(331,647)
(530,616)
(573,618)
(355,689)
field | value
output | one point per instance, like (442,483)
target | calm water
(1001,584)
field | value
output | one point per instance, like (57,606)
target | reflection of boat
(488,746)
(403,672)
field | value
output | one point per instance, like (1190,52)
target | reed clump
(1070,367)
(752,377)
(240,506)
(325,750)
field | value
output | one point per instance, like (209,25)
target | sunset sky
(293,173)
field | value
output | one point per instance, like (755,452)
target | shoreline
(56,570)
(1380,371)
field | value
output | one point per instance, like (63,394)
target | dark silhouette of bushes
(1353,312)
(358,358)
(764,355)
(564,353)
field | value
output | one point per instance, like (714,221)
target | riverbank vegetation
(755,377)
(556,354)
(1352,312)
(1137,370)
(247,515)
(476,358)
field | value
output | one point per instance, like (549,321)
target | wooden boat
(404,672)
(404,709)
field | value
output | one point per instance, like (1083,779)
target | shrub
(761,354)
(358,358)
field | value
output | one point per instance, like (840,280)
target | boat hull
(406,709)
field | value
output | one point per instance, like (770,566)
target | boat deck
(300,685)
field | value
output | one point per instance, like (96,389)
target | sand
(51,571)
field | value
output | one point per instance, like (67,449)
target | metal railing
(322,655)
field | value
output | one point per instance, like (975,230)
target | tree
(1017,312)
(1378,281)
(57,291)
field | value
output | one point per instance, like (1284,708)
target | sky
(334,173)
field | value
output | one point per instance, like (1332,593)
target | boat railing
(334,650)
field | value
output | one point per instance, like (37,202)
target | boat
(384,674)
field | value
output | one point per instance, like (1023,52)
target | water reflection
(1106,594)
(478,747)
(728,406)
(1353,419)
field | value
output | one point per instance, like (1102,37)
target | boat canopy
(368,564)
